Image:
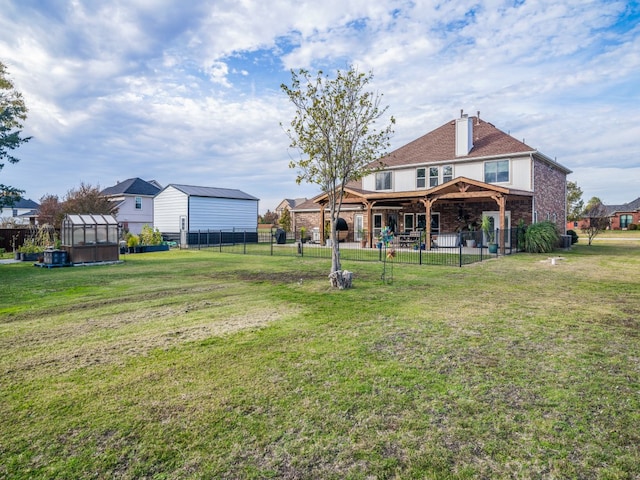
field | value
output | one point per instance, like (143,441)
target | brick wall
(550,194)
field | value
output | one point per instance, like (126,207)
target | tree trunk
(341,279)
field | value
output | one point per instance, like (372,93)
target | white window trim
(484,170)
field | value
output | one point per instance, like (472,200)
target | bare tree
(596,217)
(333,129)
(87,199)
(51,211)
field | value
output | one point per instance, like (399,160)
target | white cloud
(136,88)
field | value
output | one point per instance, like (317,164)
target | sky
(189,92)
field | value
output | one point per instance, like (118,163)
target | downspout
(533,189)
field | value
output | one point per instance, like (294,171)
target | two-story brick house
(453,176)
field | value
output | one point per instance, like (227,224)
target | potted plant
(303,234)
(151,240)
(133,242)
(363,238)
(490,234)
(30,251)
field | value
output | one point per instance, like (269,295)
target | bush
(574,236)
(149,236)
(133,241)
(632,226)
(541,237)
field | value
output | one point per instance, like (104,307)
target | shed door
(183,230)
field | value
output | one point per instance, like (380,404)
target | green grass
(196,364)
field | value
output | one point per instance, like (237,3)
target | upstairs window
(433,176)
(447,173)
(138,203)
(383,181)
(421,180)
(496,171)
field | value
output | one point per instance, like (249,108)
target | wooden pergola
(458,189)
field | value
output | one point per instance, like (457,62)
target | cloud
(190,91)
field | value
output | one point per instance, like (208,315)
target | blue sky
(189,92)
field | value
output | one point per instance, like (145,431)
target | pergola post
(322,239)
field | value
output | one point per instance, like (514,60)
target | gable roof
(25,203)
(212,192)
(132,186)
(632,206)
(439,145)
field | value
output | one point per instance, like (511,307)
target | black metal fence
(455,249)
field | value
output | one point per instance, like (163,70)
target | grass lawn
(197,364)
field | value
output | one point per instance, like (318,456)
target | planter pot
(493,248)
(31,257)
(363,243)
(154,248)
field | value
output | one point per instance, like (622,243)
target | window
(447,173)
(421,181)
(625,221)
(15,212)
(496,171)
(377,224)
(433,176)
(421,221)
(138,203)
(408,221)
(383,181)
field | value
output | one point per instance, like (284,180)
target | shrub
(632,226)
(541,237)
(574,236)
(133,241)
(149,236)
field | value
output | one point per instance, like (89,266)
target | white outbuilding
(183,213)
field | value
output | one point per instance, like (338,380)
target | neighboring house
(182,212)
(452,176)
(134,200)
(621,216)
(289,204)
(23,212)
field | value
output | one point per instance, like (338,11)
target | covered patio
(454,206)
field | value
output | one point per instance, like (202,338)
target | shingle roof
(25,203)
(626,207)
(132,186)
(440,145)
(213,192)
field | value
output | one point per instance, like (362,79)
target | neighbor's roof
(626,207)
(132,186)
(213,192)
(25,203)
(439,145)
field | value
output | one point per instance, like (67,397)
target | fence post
(244,249)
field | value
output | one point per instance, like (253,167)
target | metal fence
(454,249)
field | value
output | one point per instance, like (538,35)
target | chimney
(464,135)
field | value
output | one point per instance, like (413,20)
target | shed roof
(213,192)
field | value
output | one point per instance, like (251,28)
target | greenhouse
(90,238)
